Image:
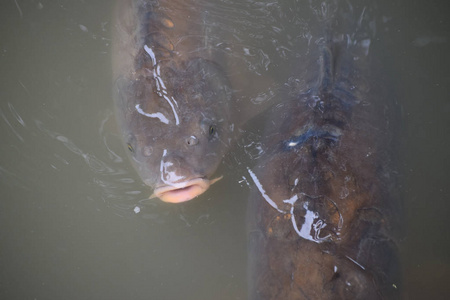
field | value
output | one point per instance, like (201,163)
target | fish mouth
(183,191)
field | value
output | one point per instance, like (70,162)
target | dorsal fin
(326,76)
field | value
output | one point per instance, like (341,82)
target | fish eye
(212,130)
(130,147)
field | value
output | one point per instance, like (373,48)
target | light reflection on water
(69,195)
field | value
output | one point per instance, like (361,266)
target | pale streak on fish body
(172,96)
(310,216)
(159,116)
(160,86)
(175,114)
(151,53)
(263,192)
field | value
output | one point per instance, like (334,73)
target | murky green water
(75,222)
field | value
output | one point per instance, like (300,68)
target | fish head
(178,136)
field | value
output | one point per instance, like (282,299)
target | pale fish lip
(183,191)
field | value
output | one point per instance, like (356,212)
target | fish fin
(215,180)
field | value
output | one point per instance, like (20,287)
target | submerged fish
(324,214)
(172,97)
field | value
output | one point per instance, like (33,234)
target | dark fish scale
(159,40)
(154,27)
(326,79)
(156,20)
(310,133)
(167,22)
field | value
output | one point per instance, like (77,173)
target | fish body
(172,97)
(323,216)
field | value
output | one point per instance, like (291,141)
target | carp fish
(172,96)
(324,213)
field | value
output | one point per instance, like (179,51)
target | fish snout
(174,169)
(179,182)
(183,191)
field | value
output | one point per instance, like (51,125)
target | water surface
(74,216)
